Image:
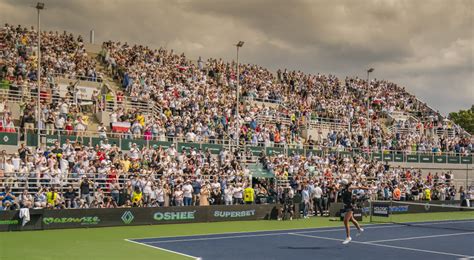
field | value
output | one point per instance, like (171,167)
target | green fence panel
(213,148)
(377,156)
(440,159)
(163,144)
(188,146)
(271,151)
(466,160)
(296,151)
(398,158)
(96,141)
(413,158)
(454,159)
(8,138)
(388,157)
(315,152)
(345,154)
(51,139)
(256,150)
(72,139)
(424,158)
(126,144)
(31,139)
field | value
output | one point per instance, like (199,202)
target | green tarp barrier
(454,159)
(257,171)
(345,154)
(413,158)
(466,159)
(163,144)
(8,138)
(31,139)
(296,151)
(256,150)
(271,151)
(127,143)
(213,148)
(440,159)
(377,156)
(388,157)
(51,139)
(188,146)
(426,158)
(398,158)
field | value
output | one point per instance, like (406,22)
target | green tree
(464,118)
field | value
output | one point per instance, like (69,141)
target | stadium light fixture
(40,6)
(238,45)
(368,102)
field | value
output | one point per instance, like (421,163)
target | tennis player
(347,200)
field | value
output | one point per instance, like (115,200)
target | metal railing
(107,103)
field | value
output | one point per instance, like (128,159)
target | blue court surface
(427,240)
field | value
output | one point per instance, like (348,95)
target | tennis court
(417,241)
(448,239)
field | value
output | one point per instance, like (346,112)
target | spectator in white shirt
(188,193)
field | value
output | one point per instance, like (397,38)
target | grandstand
(127,96)
(122,125)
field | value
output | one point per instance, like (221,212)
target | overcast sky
(424,45)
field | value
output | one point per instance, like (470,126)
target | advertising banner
(10,221)
(240,212)
(8,138)
(426,158)
(398,158)
(80,218)
(466,159)
(381,210)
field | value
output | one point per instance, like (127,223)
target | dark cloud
(423,45)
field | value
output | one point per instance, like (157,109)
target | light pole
(368,104)
(238,45)
(39,7)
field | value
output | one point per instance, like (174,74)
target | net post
(390,215)
(370,211)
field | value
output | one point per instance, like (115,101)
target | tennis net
(446,214)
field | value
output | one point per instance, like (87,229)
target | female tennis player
(347,200)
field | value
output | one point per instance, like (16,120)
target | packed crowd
(73,175)
(195,99)
(198,98)
(62,54)
(104,175)
(198,104)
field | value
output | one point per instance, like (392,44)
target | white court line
(411,238)
(317,230)
(383,245)
(285,232)
(159,248)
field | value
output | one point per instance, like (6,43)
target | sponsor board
(9,222)
(381,210)
(233,214)
(170,216)
(127,217)
(88,220)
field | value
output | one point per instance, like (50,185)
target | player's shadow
(303,247)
